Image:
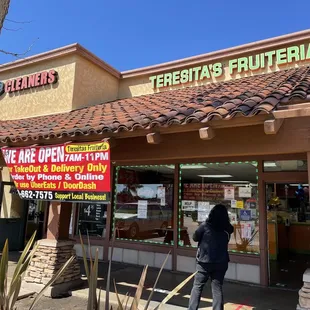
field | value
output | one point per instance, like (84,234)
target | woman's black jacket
(212,243)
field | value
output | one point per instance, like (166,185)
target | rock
(306,290)
(304,295)
(304,302)
(48,260)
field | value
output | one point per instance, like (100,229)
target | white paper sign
(246,230)
(161,192)
(229,192)
(203,210)
(163,201)
(142,209)
(189,205)
(253,213)
(245,192)
(71,224)
(233,203)
(233,218)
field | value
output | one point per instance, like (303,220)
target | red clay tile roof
(247,96)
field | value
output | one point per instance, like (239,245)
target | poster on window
(229,192)
(71,224)
(253,213)
(161,192)
(203,210)
(233,204)
(245,215)
(188,205)
(245,192)
(163,201)
(246,230)
(92,212)
(240,204)
(233,218)
(142,209)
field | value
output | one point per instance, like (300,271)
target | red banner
(66,172)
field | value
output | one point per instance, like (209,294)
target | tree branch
(11,29)
(18,22)
(18,55)
(4,9)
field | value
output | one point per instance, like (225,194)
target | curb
(25,295)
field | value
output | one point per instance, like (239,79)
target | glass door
(288,215)
(37,218)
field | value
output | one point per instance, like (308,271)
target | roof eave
(57,53)
(232,52)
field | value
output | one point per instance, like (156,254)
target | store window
(202,186)
(285,165)
(92,219)
(36,218)
(143,204)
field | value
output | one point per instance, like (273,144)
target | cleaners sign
(239,65)
(31,81)
(67,172)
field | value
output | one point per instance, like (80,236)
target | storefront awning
(247,96)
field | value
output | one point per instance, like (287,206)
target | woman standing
(212,256)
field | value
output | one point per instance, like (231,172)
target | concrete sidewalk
(237,296)
(13,259)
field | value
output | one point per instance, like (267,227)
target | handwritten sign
(66,172)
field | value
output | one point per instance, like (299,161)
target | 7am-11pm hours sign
(66,172)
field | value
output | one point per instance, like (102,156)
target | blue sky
(134,33)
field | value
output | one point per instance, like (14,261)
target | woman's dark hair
(218,218)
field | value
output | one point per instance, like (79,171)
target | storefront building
(230,127)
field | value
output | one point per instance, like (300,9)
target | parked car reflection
(158,219)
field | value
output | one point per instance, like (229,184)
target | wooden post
(59,220)
(109,219)
(308,160)
(263,233)
(175,216)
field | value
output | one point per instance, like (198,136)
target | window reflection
(232,184)
(144,203)
(92,219)
(286,165)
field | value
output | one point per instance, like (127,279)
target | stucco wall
(141,85)
(11,205)
(41,100)
(92,85)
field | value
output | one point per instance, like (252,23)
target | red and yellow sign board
(66,172)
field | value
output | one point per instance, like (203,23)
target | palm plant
(91,271)
(9,292)
(244,242)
